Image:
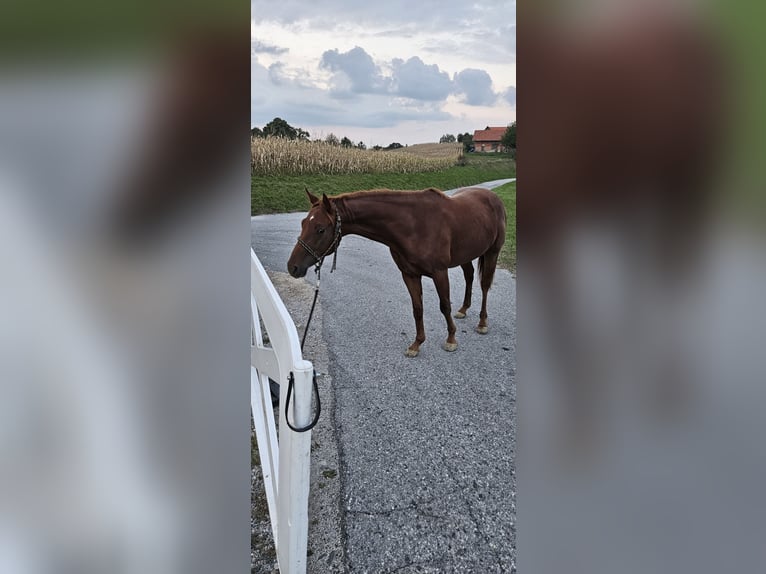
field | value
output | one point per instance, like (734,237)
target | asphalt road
(426,445)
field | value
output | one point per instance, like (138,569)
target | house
(489,138)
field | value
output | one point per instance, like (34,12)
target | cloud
(420,81)
(360,74)
(280,75)
(429,15)
(355,72)
(276,74)
(510,95)
(390,118)
(311,105)
(509,33)
(258,47)
(475,86)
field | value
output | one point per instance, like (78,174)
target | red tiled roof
(489,134)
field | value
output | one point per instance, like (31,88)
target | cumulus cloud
(258,47)
(420,81)
(278,91)
(356,72)
(475,86)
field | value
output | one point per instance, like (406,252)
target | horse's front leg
(415,287)
(441,281)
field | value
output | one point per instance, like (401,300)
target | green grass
(281,194)
(507,257)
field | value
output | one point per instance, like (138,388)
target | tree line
(280,128)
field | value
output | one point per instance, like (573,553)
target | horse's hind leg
(441,281)
(487,264)
(415,288)
(468,274)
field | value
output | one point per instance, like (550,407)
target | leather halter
(319,259)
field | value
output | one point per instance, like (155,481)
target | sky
(404,71)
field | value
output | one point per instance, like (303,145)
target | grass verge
(507,257)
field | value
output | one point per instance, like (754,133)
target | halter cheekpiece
(319,259)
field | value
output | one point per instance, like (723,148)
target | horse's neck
(367,216)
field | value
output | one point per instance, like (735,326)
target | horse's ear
(312,198)
(329,208)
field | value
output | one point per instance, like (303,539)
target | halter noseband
(319,259)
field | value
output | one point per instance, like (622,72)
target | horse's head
(320,234)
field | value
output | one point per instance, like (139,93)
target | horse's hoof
(411,352)
(459,315)
(482,330)
(449,347)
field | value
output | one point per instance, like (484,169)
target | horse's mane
(387,193)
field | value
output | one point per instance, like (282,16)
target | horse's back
(473,202)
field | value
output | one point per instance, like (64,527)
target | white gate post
(287,464)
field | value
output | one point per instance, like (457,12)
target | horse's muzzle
(297,271)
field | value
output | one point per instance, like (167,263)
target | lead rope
(291,379)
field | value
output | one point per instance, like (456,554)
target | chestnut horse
(427,232)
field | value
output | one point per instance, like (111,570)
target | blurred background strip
(124,199)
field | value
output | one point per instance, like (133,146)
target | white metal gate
(285,462)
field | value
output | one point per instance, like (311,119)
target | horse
(427,232)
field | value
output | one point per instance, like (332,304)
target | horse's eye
(320,229)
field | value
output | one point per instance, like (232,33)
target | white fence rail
(285,463)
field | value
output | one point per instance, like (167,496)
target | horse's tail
(487,272)
(487,268)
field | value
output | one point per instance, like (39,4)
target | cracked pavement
(426,445)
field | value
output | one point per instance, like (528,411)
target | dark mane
(387,193)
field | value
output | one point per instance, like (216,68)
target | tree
(509,138)
(447,138)
(332,139)
(467,141)
(361,145)
(303,134)
(394,145)
(280,128)
(256,133)
(345,142)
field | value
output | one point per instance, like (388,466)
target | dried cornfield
(453,150)
(278,156)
